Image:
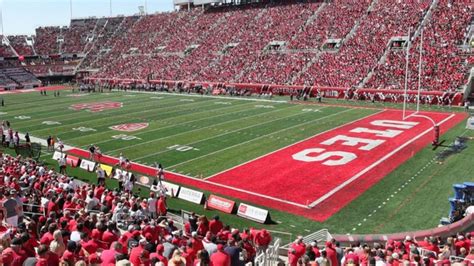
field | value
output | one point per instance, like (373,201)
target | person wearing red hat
(136,253)
(220,258)
(299,246)
(331,254)
(123,240)
(351,257)
(94,259)
(151,229)
(159,255)
(262,240)
(108,256)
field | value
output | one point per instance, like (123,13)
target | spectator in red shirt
(292,257)
(196,242)
(69,255)
(89,245)
(262,240)
(48,237)
(159,255)
(110,236)
(108,256)
(14,255)
(161,206)
(220,258)
(299,247)
(136,253)
(331,254)
(203,225)
(215,225)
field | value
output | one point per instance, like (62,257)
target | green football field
(202,136)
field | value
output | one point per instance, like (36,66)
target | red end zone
(331,169)
(279,181)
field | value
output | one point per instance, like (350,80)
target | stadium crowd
(271,43)
(442,67)
(48,218)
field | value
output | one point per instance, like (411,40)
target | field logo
(96,107)
(129,127)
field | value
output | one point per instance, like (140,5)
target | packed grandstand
(302,48)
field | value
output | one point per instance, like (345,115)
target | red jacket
(215,226)
(220,258)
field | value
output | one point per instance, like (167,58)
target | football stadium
(237,132)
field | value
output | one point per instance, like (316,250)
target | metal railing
(270,256)
(28,210)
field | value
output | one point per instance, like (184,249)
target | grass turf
(226,132)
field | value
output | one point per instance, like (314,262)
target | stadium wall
(330,92)
(463,225)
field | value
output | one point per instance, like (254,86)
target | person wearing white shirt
(152,205)
(91,202)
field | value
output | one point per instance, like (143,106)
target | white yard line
(184,123)
(293,144)
(214,136)
(213,96)
(262,136)
(93,121)
(358,175)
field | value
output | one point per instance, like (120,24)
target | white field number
(178,147)
(223,103)
(124,137)
(338,157)
(264,106)
(22,117)
(50,123)
(186,100)
(3,113)
(83,129)
(311,110)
